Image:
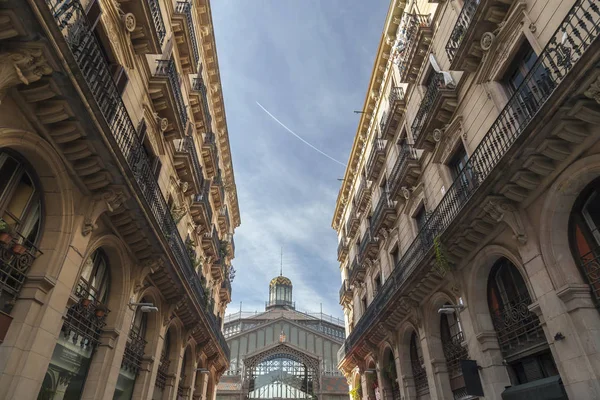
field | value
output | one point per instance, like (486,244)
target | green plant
(356,393)
(224,249)
(441,261)
(4,227)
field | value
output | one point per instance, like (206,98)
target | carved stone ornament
(405,192)
(129,22)
(593,92)
(163,124)
(25,65)
(108,200)
(437,135)
(487,39)
(501,209)
(184,186)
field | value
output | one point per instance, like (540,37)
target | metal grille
(517,327)
(71,21)
(462,25)
(407,153)
(201,87)
(410,29)
(17,255)
(454,352)
(161,373)
(436,84)
(84,320)
(180,388)
(157,18)
(591,270)
(134,351)
(187,145)
(183,7)
(418,366)
(580,29)
(167,68)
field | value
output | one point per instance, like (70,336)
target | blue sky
(308,62)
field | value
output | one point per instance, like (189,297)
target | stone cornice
(209,54)
(369,108)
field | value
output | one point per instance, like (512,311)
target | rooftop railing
(157,18)
(185,8)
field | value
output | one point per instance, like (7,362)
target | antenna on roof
(281,263)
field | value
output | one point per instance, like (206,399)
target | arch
(186,374)
(554,221)
(389,375)
(155,319)
(57,191)
(477,284)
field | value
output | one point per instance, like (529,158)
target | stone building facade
(283,353)
(468,215)
(117,201)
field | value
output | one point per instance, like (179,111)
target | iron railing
(183,7)
(187,145)
(85,320)
(167,68)
(286,303)
(377,151)
(17,255)
(157,18)
(355,269)
(454,352)
(72,22)
(202,197)
(590,266)
(383,203)
(344,289)
(342,247)
(218,180)
(579,28)
(461,27)
(161,373)
(367,239)
(433,90)
(412,23)
(134,352)
(396,94)
(406,154)
(226,284)
(198,85)
(517,328)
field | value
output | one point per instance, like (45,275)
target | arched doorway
(391,389)
(164,365)
(418,367)
(452,338)
(521,338)
(80,333)
(132,357)
(185,374)
(281,372)
(371,380)
(584,236)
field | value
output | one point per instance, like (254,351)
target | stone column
(437,375)
(431,368)
(200,386)
(170,391)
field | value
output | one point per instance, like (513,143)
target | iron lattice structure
(281,372)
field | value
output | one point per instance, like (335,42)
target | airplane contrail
(293,133)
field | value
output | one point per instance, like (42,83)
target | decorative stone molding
(24,65)
(576,296)
(129,22)
(487,39)
(593,91)
(108,200)
(405,192)
(501,209)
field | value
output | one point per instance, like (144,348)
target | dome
(280,280)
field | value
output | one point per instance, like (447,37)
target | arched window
(163,366)
(584,236)
(521,338)
(20,213)
(418,366)
(390,385)
(80,333)
(182,375)
(132,357)
(452,338)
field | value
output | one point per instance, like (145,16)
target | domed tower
(280,293)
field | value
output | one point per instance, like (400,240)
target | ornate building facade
(468,215)
(283,353)
(118,202)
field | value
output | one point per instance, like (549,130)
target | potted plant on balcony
(19,249)
(441,262)
(5,234)
(101,310)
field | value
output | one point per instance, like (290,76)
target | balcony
(187,165)
(210,154)
(435,111)
(342,250)
(185,37)
(414,45)
(367,250)
(146,28)
(210,243)
(225,291)
(384,214)
(352,223)
(223,220)
(476,18)
(390,119)
(217,191)
(199,105)
(200,208)
(345,292)
(356,271)
(405,172)
(165,92)
(557,71)
(363,195)
(104,96)
(217,269)
(376,159)
(232,248)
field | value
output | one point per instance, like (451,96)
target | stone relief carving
(25,65)
(501,209)
(593,91)
(108,200)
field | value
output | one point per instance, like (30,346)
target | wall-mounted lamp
(144,307)
(202,370)
(450,309)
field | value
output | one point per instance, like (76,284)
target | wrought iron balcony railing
(198,85)
(356,271)
(183,7)
(342,249)
(396,94)
(376,159)
(368,246)
(568,44)
(157,18)
(352,222)
(384,214)
(363,194)
(71,21)
(462,25)
(406,155)
(187,145)
(434,89)
(134,351)
(202,198)
(345,292)
(85,320)
(226,285)
(167,68)
(390,118)
(454,352)
(413,28)
(590,266)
